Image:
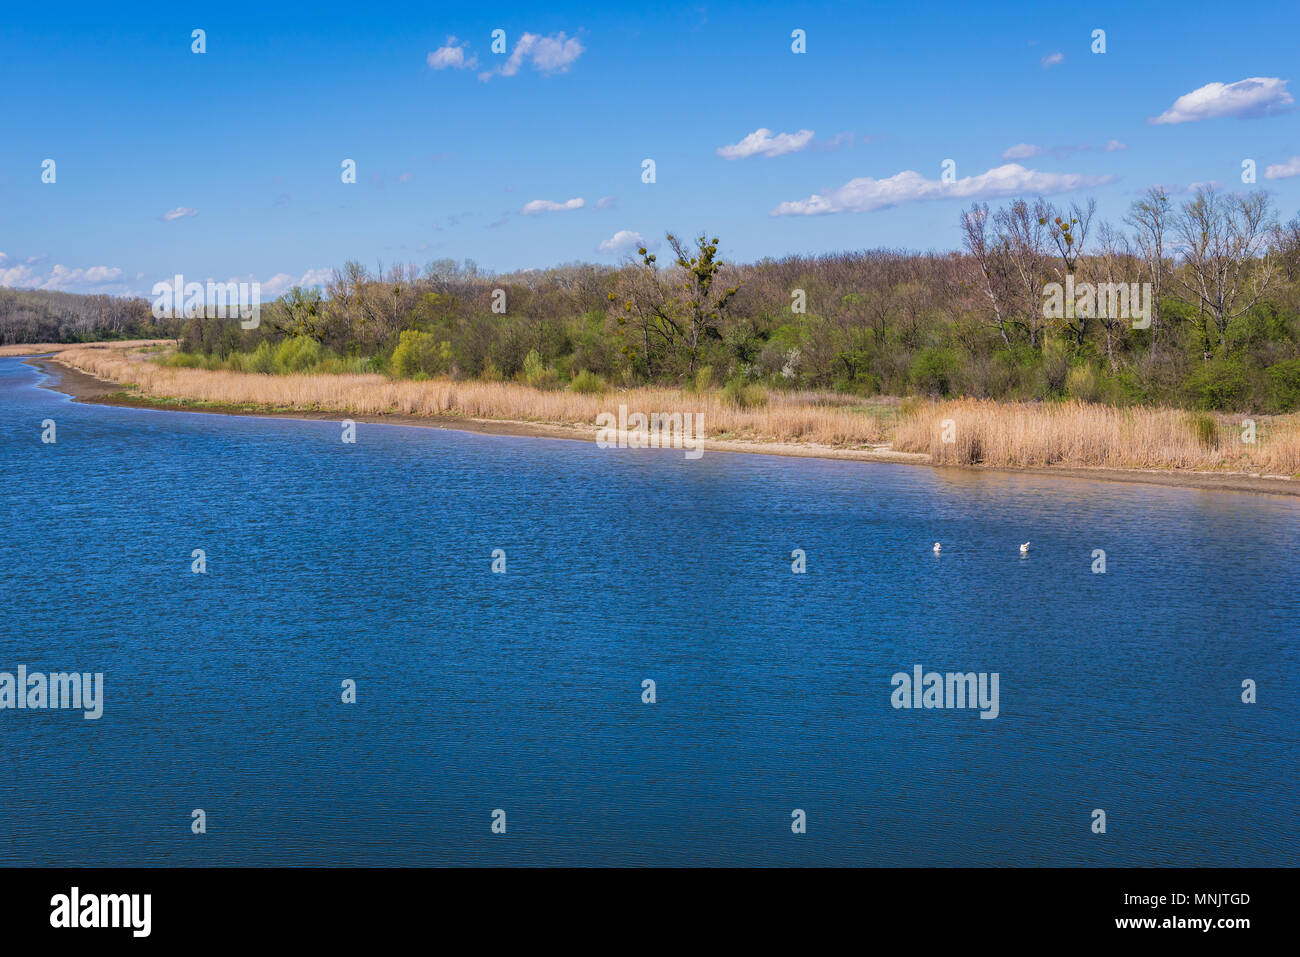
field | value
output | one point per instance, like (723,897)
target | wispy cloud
(762,142)
(605,202)
(1052,59)
(1283,170)
(1113,146)
(554,53)
(178,213)
(625,240)
(282,282)
(1029,151)
(452,56)
(550,206)
(1253,97)
(60,278)
(866,194)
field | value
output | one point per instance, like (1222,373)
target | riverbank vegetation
(1221,331)
(952,432)
(1218,276)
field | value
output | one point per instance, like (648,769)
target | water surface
(522,691)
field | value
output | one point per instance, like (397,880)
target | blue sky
(241,146)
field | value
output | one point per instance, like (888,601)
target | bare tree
(991,260)
(1149,217)
(1114,260)
(1225,252)
(1022,232)
(1069,231)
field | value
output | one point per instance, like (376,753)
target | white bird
(1024,549)
(936,548)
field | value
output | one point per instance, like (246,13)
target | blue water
(477,691)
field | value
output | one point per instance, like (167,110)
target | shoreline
(83,387)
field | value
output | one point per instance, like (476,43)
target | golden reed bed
(1080,434)
(783,419)
(1009,435)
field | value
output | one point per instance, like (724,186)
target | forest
(1221,273)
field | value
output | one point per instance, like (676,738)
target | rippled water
(476,691)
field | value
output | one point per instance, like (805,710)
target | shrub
(419,353)
(185,360)
(1219,384)
(1081,383)
(535,373)
(1206,431)
(299,354)
(933,371)
(587,383)
(744,395)
(1284,380)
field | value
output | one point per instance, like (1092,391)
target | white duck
(937,548)
(1024,549)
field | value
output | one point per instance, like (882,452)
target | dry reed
(783,419)
(1033,435)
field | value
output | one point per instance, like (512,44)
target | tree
(705,304)
(1149,217)
(1227,262)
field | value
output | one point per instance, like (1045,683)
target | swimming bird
(936,548)
(1024,549)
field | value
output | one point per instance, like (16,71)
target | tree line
(1219,272)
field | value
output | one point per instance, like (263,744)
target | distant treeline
(34,315)
(1213,319)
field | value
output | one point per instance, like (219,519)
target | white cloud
(622,241)
(282,282)
(1276,171)
(314,277)
(761,142)
(1022,151)
(605,202)
(1256,96)
(179,212)
(62,278)
(452,56)
(1052,59)
(550,206)
(1029,151)
(547,54)
(1113,146)
(865,194)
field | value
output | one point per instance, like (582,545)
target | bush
(261,360)
(1081,383)
(1219,384)
(933,371)
(587,383)
(744,395)
(299,354)
(1206,430)
(1284,380)
(185,360)
(535,373)
(419,354)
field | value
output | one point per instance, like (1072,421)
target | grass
(1033,435)
(783,418)
(982,432)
